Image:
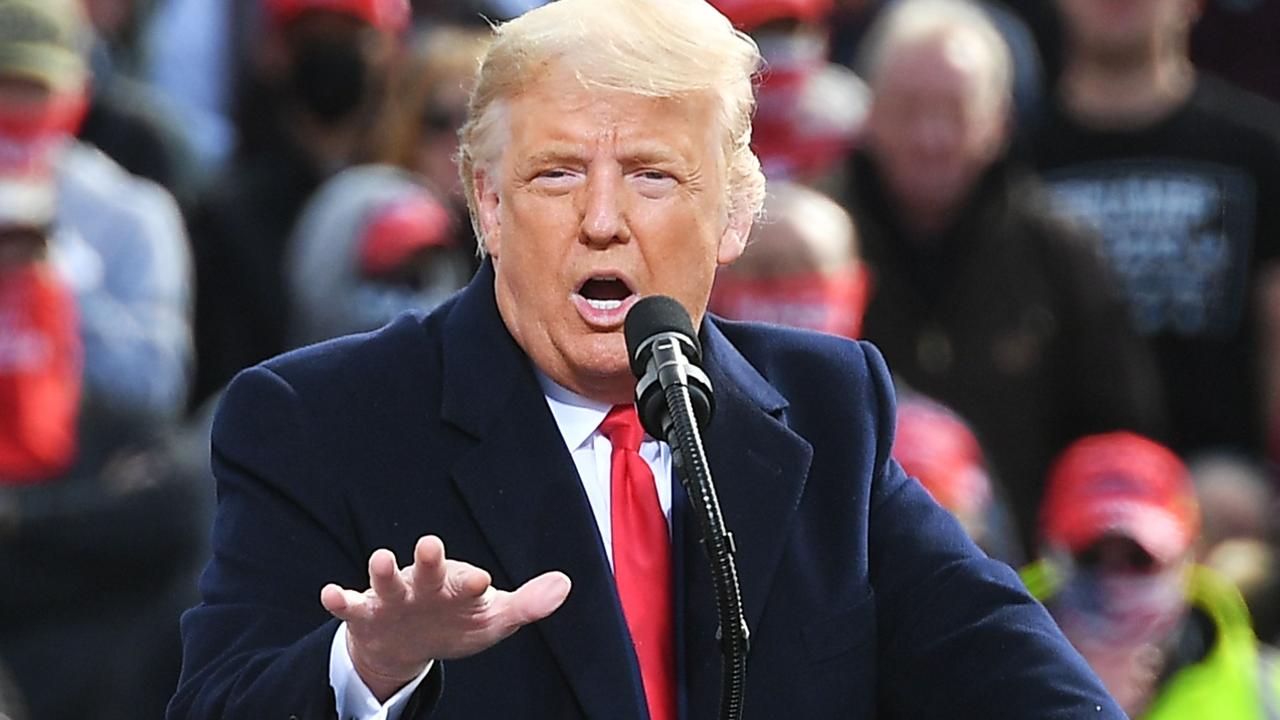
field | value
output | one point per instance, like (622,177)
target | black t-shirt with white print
(1188,210)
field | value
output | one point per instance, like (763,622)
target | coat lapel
(759,467)
(524,492)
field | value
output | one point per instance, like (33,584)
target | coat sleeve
(960,637)
(257,646)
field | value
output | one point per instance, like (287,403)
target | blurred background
(1058,219)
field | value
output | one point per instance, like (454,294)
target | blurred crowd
(1060,222)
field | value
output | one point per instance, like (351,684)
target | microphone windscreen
(654,315)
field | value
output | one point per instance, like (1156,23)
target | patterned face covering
(28,131)
(30,137)
(40,371)
(826,302)
(1122,622)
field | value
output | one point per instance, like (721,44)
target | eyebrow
(651,155)
(639,154)
(555,155)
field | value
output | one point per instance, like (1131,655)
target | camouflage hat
(44,40)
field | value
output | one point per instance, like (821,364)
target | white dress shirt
(578,419)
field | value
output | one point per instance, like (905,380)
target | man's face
(1121,609)
(601,198)
(339,65)
(1123,29)
(935,124)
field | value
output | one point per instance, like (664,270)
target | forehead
(557,112)
(953,64)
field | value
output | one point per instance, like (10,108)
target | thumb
(538,598)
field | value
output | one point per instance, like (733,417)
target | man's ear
(734,239)
(487,201)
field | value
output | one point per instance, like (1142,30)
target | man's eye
(654,183)
(555,179)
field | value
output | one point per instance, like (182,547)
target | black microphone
(674,401)
(664,352)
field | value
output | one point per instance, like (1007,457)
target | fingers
(385,578)
(428,565)
(342,603)
(332,599)
(537,598)
(467,580)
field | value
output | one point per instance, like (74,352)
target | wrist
(382,681)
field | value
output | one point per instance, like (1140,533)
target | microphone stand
(680,426)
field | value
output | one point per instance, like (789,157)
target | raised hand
(434,609)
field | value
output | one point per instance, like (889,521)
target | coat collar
(523,489)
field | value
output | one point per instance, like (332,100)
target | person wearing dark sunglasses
(1169,638)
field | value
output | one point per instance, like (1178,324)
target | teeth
(604,304)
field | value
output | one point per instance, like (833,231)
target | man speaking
(481,471)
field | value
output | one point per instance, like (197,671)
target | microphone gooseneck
(674,400)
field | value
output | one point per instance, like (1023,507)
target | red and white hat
(1120,484)
(389,15)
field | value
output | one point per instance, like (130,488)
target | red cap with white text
(1120,484)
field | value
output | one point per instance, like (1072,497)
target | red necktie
(642,560)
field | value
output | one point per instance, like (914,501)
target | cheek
(690,267)
(539,221)
(538,235)
(984,143)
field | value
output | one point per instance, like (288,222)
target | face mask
(40,371)
(1121,624)
(807,113)
(30,140)
(28,133)
(330,79)
(826,302)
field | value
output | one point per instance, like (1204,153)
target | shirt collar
(576,416)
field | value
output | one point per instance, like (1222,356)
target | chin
(606,368)
(601,358)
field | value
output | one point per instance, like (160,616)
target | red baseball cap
(935,446)
(399,229)
(390,15)
(748,15)
(1120,484)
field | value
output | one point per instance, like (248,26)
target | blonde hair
(655,48)
(908,22)
(441,61)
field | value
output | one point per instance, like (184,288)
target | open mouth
(605,292)
(603,301)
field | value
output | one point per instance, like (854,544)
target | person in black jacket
(317,117)
(983,299)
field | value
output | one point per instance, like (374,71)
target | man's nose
(933,135)
(603,214)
